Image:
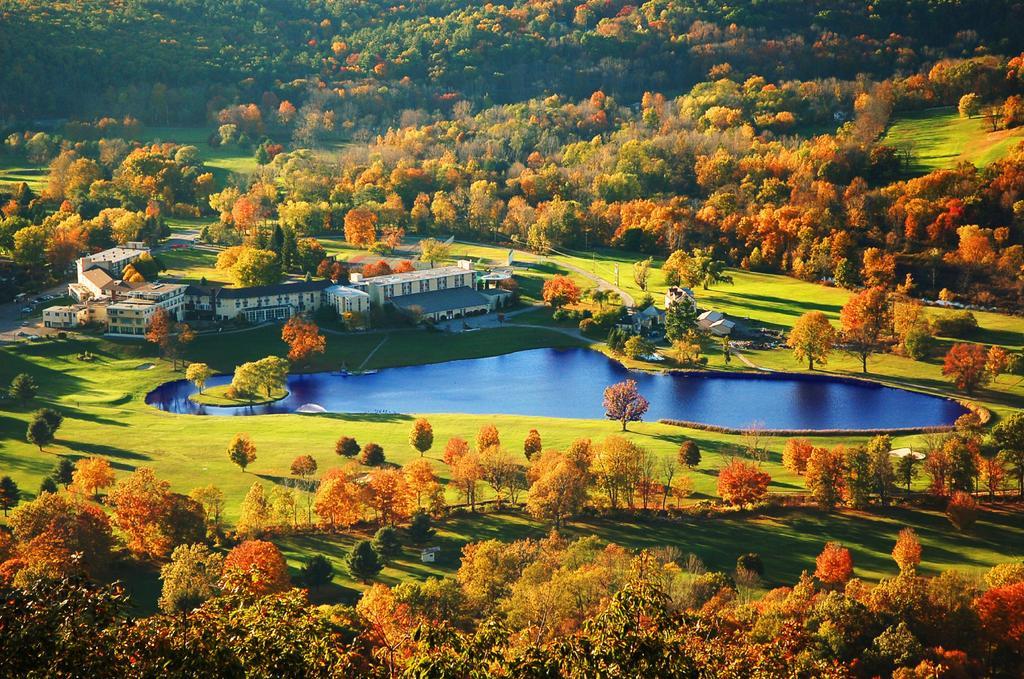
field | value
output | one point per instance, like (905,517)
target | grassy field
(222,160)
(939,138)
(15,172)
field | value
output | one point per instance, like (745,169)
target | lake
(570,383)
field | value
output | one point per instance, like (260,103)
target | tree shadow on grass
(383,418)
(96,449)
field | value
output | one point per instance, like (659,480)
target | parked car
(26,309)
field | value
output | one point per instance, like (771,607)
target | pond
(570,383)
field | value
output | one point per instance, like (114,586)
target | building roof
(286,288)
(98,277)
(711,316)
(442,300)
(345,291)
(421,274)
(116,254)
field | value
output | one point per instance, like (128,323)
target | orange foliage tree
(91,475)
(487,437)
(962,510)
(965,364)
(422,435)
(559,291)
(303,339)
(361,227)
(339,498)
(142,503)
(258,567)
(1000,611)
(907,551)
(454,449)
(741,482)
(834,564)
(795,454)
(389,623)
(389,495)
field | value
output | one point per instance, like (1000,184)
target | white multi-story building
(132,315)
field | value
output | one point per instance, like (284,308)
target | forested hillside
(167,61)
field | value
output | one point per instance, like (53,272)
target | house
(74,315)
(429,554)
(261,303)
(112,260)
(648,318)
(678,295)
(131,315)
(715,323)
(344,300)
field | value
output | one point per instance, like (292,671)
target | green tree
(23,388)
(316,572)
(420,528)
(256,267)
(1008,438)
(52,418)
(9,494)
(387,543)
(198,374)
(883,478)
(63,473)
(680,319)
(39,433)
(859,481)
(48,485)
(363,563)
(433,250)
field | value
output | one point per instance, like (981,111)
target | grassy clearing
(939,138)
(222,160)
(14,172)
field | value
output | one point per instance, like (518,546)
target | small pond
(570,383)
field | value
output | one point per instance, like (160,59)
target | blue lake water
(570,383)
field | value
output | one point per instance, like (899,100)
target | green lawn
(14,172)
(939,138)
(222,160)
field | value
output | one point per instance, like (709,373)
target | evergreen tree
(680,319)
(387,543)
(48,486)
(362,562)
(316,572)
(64,472)
(421,528)
(23,388)
(9,494)
(39,433)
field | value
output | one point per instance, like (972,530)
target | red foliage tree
(623,402)
(258,566)
(741,482)
(834,564)
(965,364)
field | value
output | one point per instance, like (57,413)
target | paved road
(11,318)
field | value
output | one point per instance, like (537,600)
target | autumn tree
(361,227)
(338,500)
(466,474)
(834,566)
(506,477)
(965,364)
(812,338)
(532,444)
(257,566)
(618,469)
(142,506)
(52,528)
(865,320)
(998,611)
(487,437)
(825,476)
(372,455)
(255,267)
(389,495)
(198,374)
(303,338)
(559,488)
(160,329)
(962,510)
(741,483)
(423,482)
(211,498)
(92,474)
(422,435)
(795,454)
(623,402)
(388,623)
(346,446)
(883,477)
(433,251)
(642,272)
(907,551)
(688,454)
(560,291)
(241,450)
(454,449)
(191,577)
(256,512)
